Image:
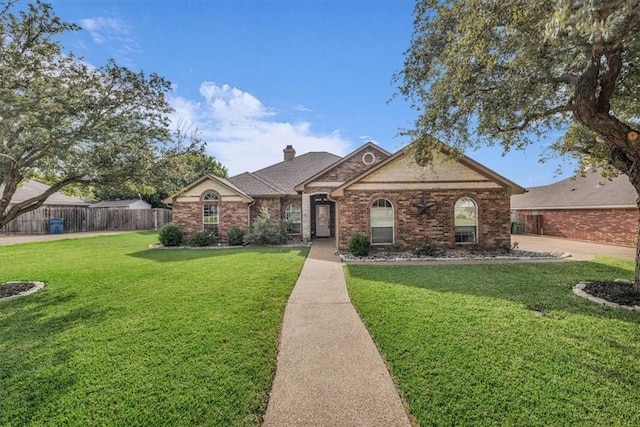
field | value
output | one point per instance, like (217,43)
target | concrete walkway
(329,371)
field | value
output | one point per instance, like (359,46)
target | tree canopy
(69,121)
(484,72)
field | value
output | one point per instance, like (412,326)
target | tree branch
(530,117)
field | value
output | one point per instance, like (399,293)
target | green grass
(122,335)
(466,347)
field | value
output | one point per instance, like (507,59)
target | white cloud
(243,133)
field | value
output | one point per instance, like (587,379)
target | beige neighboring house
(388,197)
(590,208)
(30,188)
(122,204)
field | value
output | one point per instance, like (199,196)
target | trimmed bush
(235,236)
(202,238)
(359,245)
(428,250)
(264,231)
(170,235)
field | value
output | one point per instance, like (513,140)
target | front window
(211,213)
(293,215)
(382,222)
(466,220)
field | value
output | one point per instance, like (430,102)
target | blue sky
(253,76)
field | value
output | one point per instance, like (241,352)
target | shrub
(170,235)
(428,250)
(264,231)
(359,245)
(235,236)
(202,238)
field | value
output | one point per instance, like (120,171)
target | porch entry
(323,215)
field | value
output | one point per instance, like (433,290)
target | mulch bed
(11,289)
(621,293)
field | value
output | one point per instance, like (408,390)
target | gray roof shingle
(281,178)
(592,190)
(31,188)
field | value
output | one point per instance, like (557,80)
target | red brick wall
(611,226)
(188,217)
(351,167)
(437,227)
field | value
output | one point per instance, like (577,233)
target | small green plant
(202,238)
(428,249)
(504,248)
(170,235)
(264,231)
(359,244)
(396,247)
(515,245)
(235,236)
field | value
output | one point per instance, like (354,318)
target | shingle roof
(592,190)
(31,188)
(281,178)
(116,203)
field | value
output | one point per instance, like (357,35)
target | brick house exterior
(589,208)
(389,198)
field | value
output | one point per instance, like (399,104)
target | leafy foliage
(170,235)
(484,72)
(264,231)
(235,236)
(358,244)
(202,238)
(428,249)
(66,122)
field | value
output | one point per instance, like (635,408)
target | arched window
(293,215)
(211,213)
(466,220)
(382,222)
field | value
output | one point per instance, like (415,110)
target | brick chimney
(289,153)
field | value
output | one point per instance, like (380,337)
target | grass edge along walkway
(124,335)
(467,345)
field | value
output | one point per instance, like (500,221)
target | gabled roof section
(221,181)
(362,149)
(464,160)
(581,192)
(30,188)
(251,184)
(280,179)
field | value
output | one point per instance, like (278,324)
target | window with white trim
(211,213)
(381,222)
(293,215)
(466,220)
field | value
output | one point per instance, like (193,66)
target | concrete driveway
(579,250)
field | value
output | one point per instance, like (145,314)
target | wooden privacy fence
(78,219)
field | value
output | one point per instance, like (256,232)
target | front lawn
(504,344)
(123,335)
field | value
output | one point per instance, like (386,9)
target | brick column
(306,217)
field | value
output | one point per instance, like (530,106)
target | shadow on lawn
(36,364)
(543,287)
(188,254)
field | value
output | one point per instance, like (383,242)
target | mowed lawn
(123,335)
(504,344)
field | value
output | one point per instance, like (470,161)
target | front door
(322,221)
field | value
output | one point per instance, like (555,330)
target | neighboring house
(589,207)
(30,188)
(389,198)
(122,204)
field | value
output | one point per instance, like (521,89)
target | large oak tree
(70,122)
(482,72)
